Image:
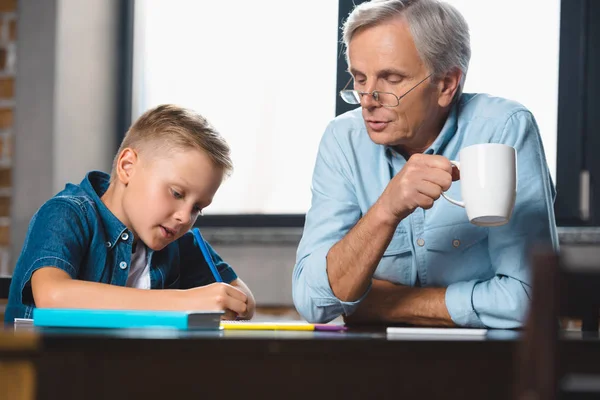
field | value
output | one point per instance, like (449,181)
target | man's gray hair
(440,32)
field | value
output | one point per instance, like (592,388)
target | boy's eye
(198,210)
(176,194)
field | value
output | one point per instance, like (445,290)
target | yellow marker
(279,326)
(266,326)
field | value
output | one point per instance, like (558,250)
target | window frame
(578,116)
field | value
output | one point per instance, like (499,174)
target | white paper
(23,321)
(436,331)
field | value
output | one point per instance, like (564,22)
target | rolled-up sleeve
(58,237)
(334,211)
(502,301)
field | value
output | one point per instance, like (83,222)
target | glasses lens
(387,99)
(350,96)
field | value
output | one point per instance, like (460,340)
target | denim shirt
(76,232)
(485,270)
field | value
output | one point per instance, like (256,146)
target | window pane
(514,46)
(262,72)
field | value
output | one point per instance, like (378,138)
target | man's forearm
(352,261)
(391,303)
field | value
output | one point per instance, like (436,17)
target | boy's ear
(126,163)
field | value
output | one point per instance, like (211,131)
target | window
(262,72)
(504,36)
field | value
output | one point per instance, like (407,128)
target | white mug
(488,176)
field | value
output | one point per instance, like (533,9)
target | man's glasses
(386,99)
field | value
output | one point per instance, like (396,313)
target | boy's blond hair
(169,127)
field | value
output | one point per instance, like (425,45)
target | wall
(65,100)
(263,257)
(86,89)
(8,34)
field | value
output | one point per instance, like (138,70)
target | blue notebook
(92,318)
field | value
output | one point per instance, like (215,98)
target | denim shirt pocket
(396,264)
(399,243)
(454,239)
(457,253)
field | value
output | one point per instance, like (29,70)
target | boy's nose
(184,217)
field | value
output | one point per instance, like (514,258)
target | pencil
(202,244)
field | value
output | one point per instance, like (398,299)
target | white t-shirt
(139,271)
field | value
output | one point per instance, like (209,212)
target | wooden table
(358,364)
(365,364)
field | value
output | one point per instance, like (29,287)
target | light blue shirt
(485,270)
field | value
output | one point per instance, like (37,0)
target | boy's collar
(95,185)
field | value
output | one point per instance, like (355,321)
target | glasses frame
(376,93)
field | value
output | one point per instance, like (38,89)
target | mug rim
(487,145)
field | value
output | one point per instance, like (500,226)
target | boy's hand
(250,303)
(218,296)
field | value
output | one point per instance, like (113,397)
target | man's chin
(383,138)
(386,138)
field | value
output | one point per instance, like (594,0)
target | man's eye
(176,194)
(394,79)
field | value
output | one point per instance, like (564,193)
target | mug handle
(456,202)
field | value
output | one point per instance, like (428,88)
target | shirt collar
(95,185)
(447,132)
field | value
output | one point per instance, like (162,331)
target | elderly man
(377,246)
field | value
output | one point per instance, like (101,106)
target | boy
(101,243)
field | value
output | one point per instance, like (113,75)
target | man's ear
(126,163)
(448,86)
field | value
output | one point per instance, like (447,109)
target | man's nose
(367,100)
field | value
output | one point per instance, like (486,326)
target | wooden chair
(17,365)
(4,286)
(17,355)
(552,363)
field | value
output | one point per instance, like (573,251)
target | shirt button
(125,236)
(123,265)
(107,244)
(456,243)
(421,242)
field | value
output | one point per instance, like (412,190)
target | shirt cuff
(459,302)
(50,261)
(228,274)
(318,280)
